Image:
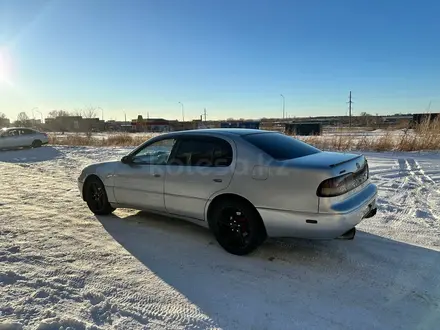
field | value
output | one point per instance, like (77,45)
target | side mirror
(126,160)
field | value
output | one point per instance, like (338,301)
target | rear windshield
(280,146)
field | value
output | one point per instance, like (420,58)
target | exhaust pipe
(349,235)
(371,214)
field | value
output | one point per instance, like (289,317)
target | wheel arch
(86,180)
(36,142)
(228,196)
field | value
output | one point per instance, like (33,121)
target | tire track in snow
(410,190)
(420,200)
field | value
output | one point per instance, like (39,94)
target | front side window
(154,154)
(207,152)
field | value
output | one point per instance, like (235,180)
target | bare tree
(23,120)
(365,118)
(3,120)
(89,112)
(57,113)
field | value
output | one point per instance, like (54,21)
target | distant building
(150,124)
(118,126)
(74,124)
(91,125)
(419,118)
(240,124)
(176,125)
(303,128)
(35,123)
(63,123)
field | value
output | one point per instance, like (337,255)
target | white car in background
(18,137)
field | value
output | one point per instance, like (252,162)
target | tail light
(342,184)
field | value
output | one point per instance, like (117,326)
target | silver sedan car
(245,185)
(18,137)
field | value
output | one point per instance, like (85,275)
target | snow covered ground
(63,268)
(358,132)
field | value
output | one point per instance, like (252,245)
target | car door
(139,182)
(199,167)
(11,139)
(26,137)
(4,139)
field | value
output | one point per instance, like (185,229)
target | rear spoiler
(346,161)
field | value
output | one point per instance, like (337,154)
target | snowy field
(327,131)
(63,268)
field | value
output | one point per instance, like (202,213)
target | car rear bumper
(282,223)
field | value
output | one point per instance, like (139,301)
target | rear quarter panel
(43,138)
(269,184)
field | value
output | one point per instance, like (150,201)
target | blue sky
(232,57)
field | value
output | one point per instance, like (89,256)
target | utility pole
(41,115)
(33,116)
(102,112)
(183,111)
(349,109)
(204,114)
(32,110)
(284,105)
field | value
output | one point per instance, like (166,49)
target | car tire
(96,197)
(37,144)
(237,226)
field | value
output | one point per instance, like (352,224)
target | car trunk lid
(340,173)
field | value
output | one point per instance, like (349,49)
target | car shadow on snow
(29,155)
(363,283)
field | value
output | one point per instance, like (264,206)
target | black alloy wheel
(37,144)
(96,197)
(234,227)
(237,227)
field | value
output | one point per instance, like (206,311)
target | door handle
(217,180)
(156,175)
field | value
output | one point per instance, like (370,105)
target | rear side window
(210,152)
(280,146)
(27,131)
